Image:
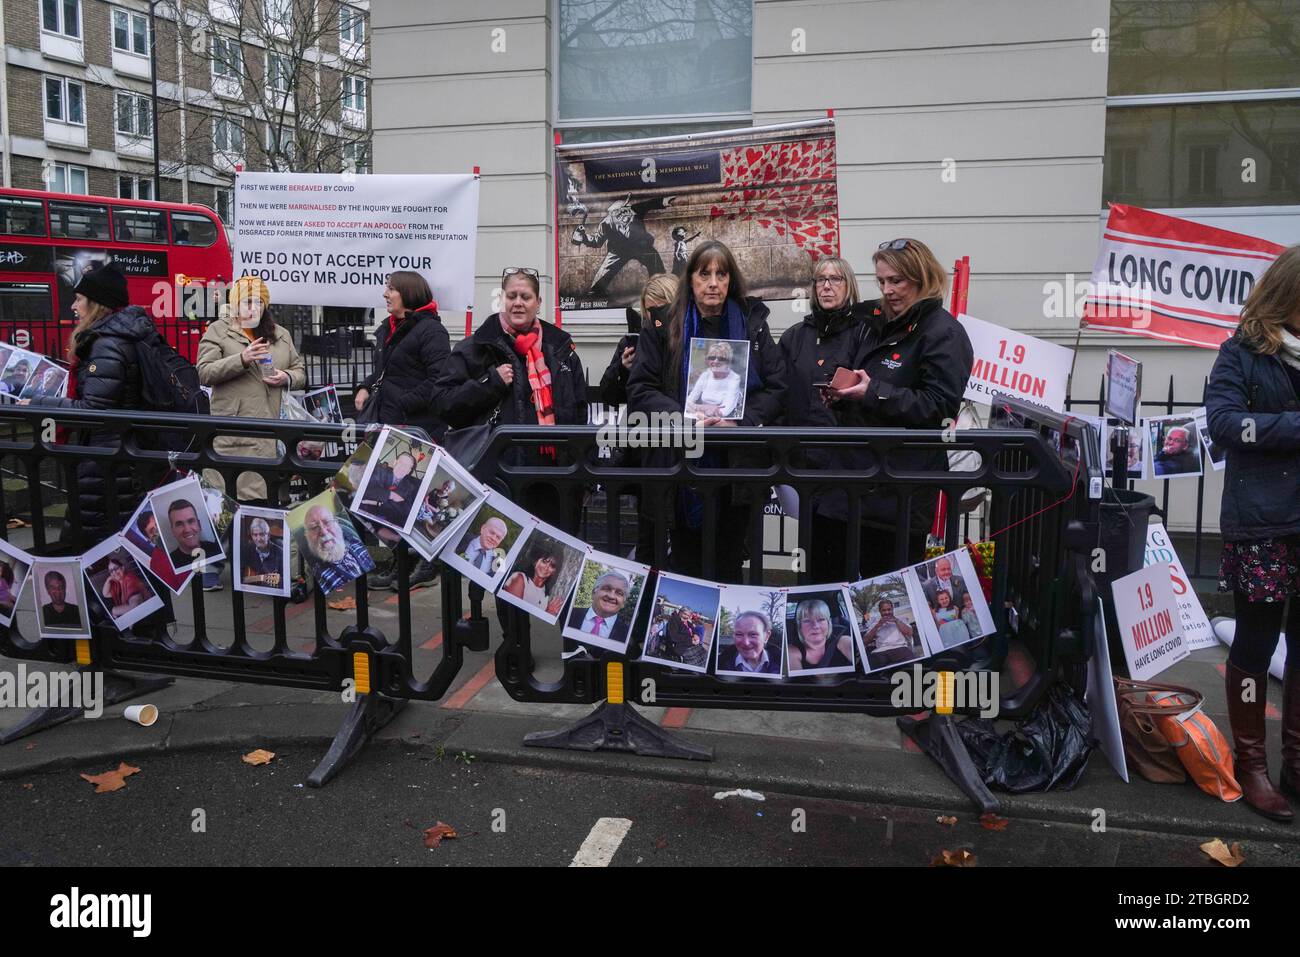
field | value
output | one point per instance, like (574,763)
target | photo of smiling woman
(711,303)
(820,637)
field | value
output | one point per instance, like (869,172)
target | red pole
(956,288)
(965,283)
(555,195)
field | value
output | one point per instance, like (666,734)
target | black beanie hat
(106,286)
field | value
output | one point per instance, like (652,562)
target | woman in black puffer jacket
(106,374)
(413,346)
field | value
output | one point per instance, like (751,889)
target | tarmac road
(375,813)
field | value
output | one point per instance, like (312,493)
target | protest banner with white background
(1150,623)
(1015,364)
(331,239)
(1172,279)
(1196,627)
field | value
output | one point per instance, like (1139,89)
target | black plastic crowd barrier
(1043,478)
(360,657)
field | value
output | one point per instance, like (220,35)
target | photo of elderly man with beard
(332,546)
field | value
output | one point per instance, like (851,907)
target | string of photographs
(28,375)
(400,487)
(1163,446)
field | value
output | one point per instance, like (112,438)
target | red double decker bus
(171,253)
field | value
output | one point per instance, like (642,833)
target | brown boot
(1290,783)
(1247,720)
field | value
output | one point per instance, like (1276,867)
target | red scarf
(529,345)
(394,322)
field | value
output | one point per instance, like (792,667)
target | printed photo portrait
(887,630)
(606,601)
(143,540)
(451,495)
(60,612)
(396,479)
(348,478)
(16,372)
(1137,464)
(716,379)
(6,353)
(751,632)
(1217,454)
(189,537)
(15,565)
(683,624)
(544,573)
(489,542)
(119,583)
(323,405)
(261,552)
(819,631)
(1174,446)
(955,609)
(329,542)
(47,380)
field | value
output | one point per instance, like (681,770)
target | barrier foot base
(937,736)
(367,715)
(619,727)
(118,687)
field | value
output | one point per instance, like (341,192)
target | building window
(227,136)
(278,17)
(61,16)
(624,63)
(1212,111)
(352,25)
(130,32)
(356,157)
(134,187)
(225,204)
(279,79)
(354,93)
(62,178)
(65,100)
(134,116)
(227,58)
(280,147)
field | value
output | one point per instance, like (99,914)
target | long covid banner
(325,239)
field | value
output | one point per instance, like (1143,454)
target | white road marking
(602,843)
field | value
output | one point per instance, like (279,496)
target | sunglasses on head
(519,270)
(894,244)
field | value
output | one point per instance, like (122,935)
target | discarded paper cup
(142,714)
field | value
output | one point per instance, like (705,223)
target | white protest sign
(1196,627)
(1015,364)
(1150,625)
(1123,386)
(1100,697)
(331,239)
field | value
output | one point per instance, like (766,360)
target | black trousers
(828,558)
(1258,625)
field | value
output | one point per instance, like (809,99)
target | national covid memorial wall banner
(326,239)
(633,208)
(1172,279)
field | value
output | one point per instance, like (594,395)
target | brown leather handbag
(1146,750)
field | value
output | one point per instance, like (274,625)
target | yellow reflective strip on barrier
(614,682)
(361,671)
(83,651)
(944,693)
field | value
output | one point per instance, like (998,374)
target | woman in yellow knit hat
(248,361)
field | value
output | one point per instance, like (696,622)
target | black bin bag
(1049,749)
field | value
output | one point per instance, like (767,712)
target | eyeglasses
(829,281)
(519,270)
(712,359)
(894,244)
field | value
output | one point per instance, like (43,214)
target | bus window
(78,221)
(132,225)
(190,229)
(21,217)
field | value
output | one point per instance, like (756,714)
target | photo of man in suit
(601,618)
(943,579)
(754,652)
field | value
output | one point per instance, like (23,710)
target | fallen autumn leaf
(991,822)
(111,780)
(960,858)
(343,604)
(946,820)
(433,835)
(1227,856)
(260,756)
